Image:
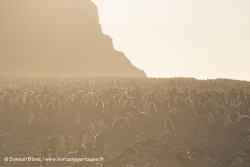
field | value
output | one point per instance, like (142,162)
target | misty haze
(124,83)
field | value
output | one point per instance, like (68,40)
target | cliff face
(57,38)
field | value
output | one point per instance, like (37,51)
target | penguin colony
(127,121)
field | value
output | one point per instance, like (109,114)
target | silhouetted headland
(58,38)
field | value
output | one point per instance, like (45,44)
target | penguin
(173,114)
(166,130)
(51,98)
(64,138)
(93,127)
(238,162)
(138,108)
(201,109)
(1,98)
(165,104)
(144,106)
(92,108)
(32,100)
(182,159)
(99,106)
(129,104)
(88,153)
(99,141)
(135,101)
(12,99)
(50,110)
(210,117)
(222,111)
(121,159)
(235,116)
(31,118)
(101,125)
(82,96)
(194,150)
(57,103)
(105,101)
(152,107)
(52,144)
(35,105)
(5,103)
(121,105)
(216,103)
(83,136)
(97,128)
(118,123)
(62,99)
(18,106)
(145,92)
(80,151)
(111,104)
(45,153)
(188,103)
(192,99)
(77,118)
(46,100)
(95,99)
(244,118)
(47,124)
(226,119)
(128,120)
(69,102)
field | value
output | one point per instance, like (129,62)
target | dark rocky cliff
(57,38)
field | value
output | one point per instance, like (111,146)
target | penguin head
(100,103)
(168,124)
(50,107)
(57,103)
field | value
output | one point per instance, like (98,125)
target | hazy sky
(196,38)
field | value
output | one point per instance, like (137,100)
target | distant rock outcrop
(57,38)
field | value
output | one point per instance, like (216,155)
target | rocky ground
(218,143)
